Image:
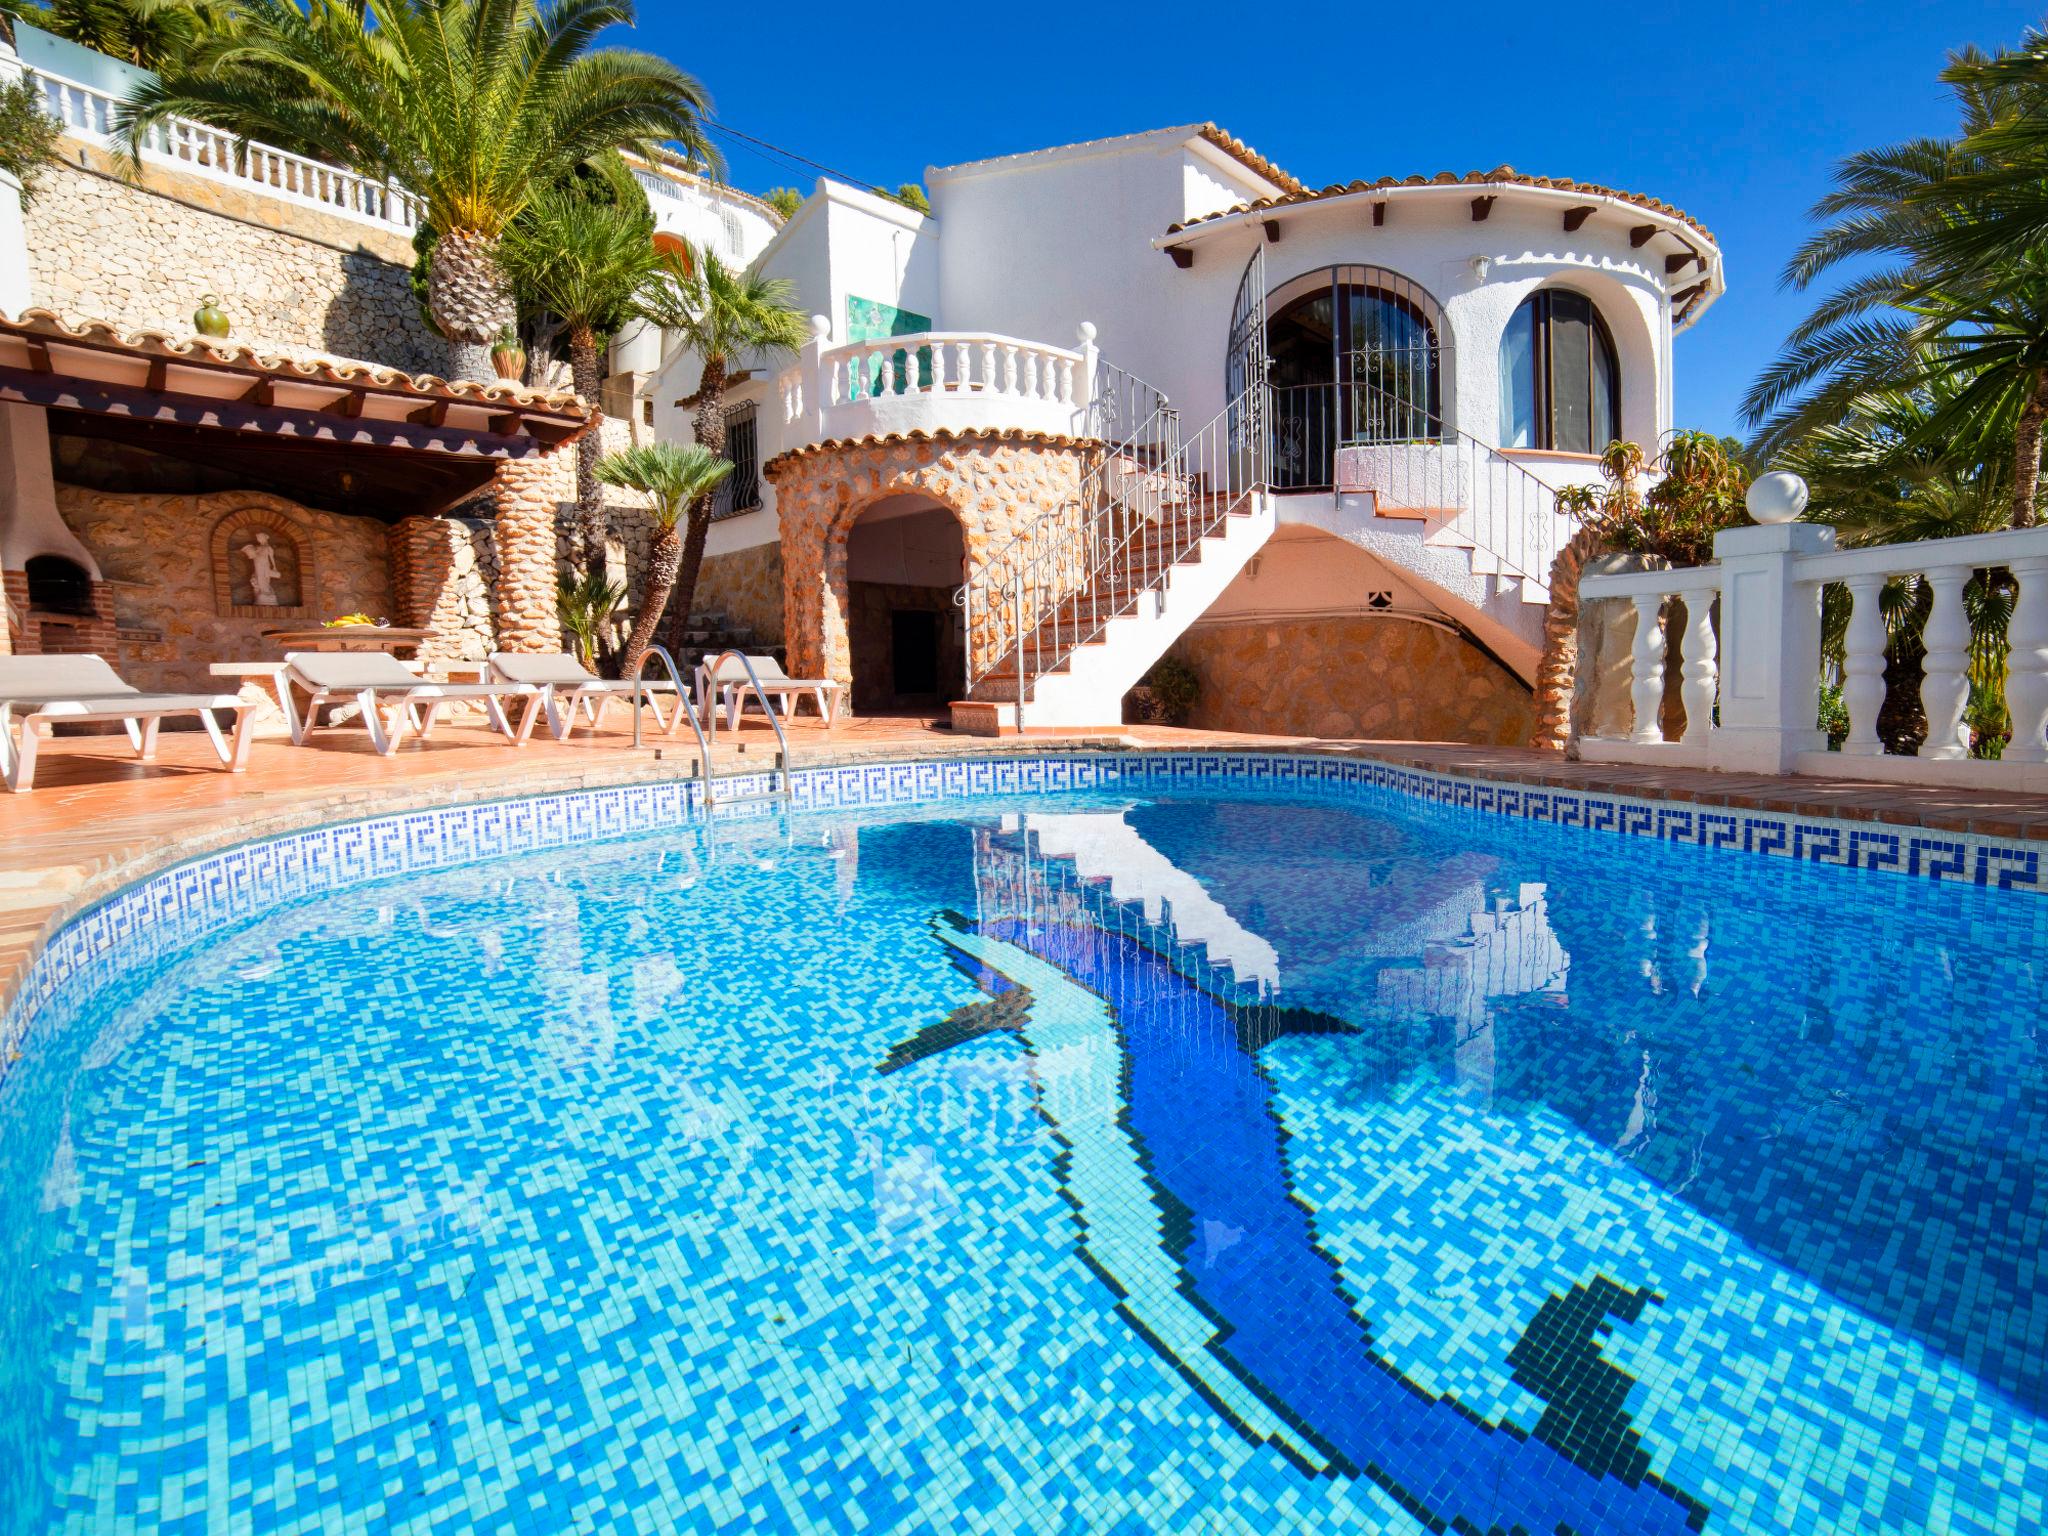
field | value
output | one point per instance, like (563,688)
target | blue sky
(1735,113)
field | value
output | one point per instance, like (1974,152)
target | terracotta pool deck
(98,819)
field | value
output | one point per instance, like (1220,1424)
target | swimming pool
(1187,1150)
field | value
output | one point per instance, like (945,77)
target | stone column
(529,491)
(435,585)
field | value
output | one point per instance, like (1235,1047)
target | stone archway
(995,484)
(906,557)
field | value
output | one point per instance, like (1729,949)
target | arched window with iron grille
(1357,358)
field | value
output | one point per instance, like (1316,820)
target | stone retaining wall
(746,586)
(141,256)
(1380,679)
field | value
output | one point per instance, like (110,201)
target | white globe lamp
(1778,497)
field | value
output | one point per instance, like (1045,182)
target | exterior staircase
(1073,612)
(1470,497)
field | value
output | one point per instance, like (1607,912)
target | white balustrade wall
(182,145)
(1757,666)
(933,381)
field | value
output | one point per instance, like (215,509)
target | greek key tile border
(191,899)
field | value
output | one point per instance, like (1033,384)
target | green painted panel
(872,320)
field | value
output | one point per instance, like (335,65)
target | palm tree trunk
(710,433)
(2026,452)
(583,362)
(470,300)
(662,556)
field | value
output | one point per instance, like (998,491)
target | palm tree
(584,258)
(673,477)
(1938,320)
(721,315)
(472,105)
(153,34)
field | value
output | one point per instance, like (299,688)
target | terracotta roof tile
(919,435)
(1251,159)
(291,364)
(1505,175)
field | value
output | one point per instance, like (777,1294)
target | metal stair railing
(1086,563)
(1139,425)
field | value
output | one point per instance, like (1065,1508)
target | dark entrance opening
(914,652)
(57,585)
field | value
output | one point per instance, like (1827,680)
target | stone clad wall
(1382,679)
(746,586)
(996,483)
(444,571)
(156,551)
(104,249)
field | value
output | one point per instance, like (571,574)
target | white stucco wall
(1035,244)
(1432,243)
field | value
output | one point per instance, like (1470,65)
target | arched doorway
(905,560)
(1356,358)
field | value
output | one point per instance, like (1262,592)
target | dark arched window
(1560,387)
(1355,359)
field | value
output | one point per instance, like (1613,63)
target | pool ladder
(705,738)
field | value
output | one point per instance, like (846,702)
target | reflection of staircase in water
(1103,847)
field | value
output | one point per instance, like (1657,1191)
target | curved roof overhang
(1676,249)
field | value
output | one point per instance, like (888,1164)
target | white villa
(1107,402)
(1038,412)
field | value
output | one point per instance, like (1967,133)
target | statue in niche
(273,572)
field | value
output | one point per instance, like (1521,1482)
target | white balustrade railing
(963,380)
(181,144)
(1751,668)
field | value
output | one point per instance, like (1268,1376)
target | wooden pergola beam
(298,424)
(1574,218)
(1641,235)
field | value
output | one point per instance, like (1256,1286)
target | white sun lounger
(564,681)
(41,691)
(730,688)
(373,679)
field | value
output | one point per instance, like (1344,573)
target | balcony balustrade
(180,144)
(1751,668)
(935,381)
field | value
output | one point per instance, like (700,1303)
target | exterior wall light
(1778,497)
(1481,265)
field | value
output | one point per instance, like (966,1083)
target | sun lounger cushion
(352,671)
(28,682)
(561,669)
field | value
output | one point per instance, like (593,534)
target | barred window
(740,491)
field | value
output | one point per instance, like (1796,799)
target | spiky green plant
(721,314)
(152,34)
(473,105)
(587,604)
(673,477)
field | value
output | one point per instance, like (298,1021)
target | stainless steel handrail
(711,685)
(682,702)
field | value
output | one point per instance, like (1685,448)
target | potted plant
(508,357)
